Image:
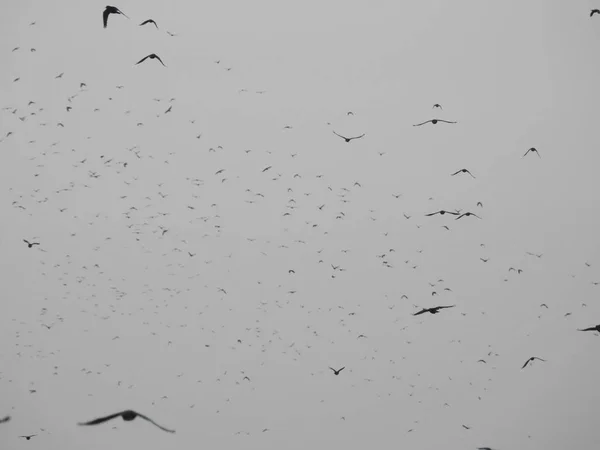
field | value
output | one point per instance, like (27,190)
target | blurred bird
(433,121)
(151,56)
(30,244)
(594,11)
(530,360)
(348,139)
(127,416)
(108,11)
(337,372)
(462,171)
(434,310)
(149,21)
(532,150)
(5,419)
(596,328)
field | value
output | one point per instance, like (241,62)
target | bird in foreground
(151,56)
(532,150)
(337,372)
(108,11)
(5,419)
(596,328)
(462,171)
(530,360)
(433,121)
(149,21)
(30,244)
(128,416)
(348,139)
(437,105)
(594,11)
(441,212)
(467,214)
(434,310)
(28,436)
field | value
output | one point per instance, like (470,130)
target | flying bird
(151,56)
(462,171)
(127,416)
(28,436)
(149,21)
(437,105)
(5,419)
(530,360)
(337,372)
(467,214)
(108,11)
(433,121)
(532,150)
(30,244)
(348,139)
(594,11)
(434,310)
(596,328)
(441,212)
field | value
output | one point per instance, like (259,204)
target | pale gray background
(514,74)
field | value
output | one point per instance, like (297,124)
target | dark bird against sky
(127,415)
(108,11)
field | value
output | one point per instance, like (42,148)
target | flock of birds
(130,415)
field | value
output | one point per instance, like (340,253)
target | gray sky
(514,75)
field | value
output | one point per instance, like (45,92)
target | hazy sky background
(513,74)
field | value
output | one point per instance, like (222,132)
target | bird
(30,244)
(434,310)
(151,56)
(437,105)
(127,415)
(594,11)
(28,436)
(441,212)
(337,372)
(530,360)
(467,214)
(596,328)
(348,139)
(108,11)
(433,121)
(462,171)
(532,150)
(149,21)
(5,419)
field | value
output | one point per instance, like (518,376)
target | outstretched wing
(590,329)
(358,137)
(105,17)
(5,419)
(444,307)
(121,12)
(419,124)
(142,60)
(341,369)
(158,57)
(154,423)
(343,137)
(445,121)
(424,310)
(26,241)
(101,419)
(526,362)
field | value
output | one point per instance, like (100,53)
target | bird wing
(432,214)
(341,369)
(444,307)
(26,241)
(358,137)
(456,173)
(158,57)
(154,423)
(332,369)
(121,12)
(142,60)
(105,17)
(419,124)
(526,362)
(424,310)
(343,137)
(5,419)
(445,121)
(462,215)
(101,419)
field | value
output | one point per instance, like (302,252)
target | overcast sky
(236,236)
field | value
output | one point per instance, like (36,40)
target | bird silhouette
(596,328)
(108,11)
(532,150)
(149,21)
(433,121)
(30,244)
(530,360)
(441,212)
(348,139)
(467,214)
(5,419)
(151,56)
(462,171)
(337,372)
(127,415)
(28,436)
(594,11)
(437,105)
(434,310)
